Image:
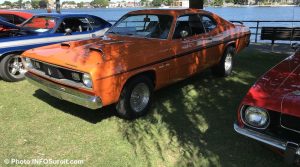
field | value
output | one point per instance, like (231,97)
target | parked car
(144,51)
(270,112)
(14,17)
(41,30)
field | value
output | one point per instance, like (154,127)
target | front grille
(57,72)
(290,122)
(52,72)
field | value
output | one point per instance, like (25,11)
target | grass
(190,124)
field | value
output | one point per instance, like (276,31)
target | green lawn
(190,124)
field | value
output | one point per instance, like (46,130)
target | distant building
(124,4)
(69,6)
(181,3)
(251,2)
(27,6)
(113,5)
(87,5)
(4,7)
(51,4)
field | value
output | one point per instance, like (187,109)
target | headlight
(255,117)
(27,63)
(87,81)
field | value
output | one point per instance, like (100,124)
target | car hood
(83,55)
(279,89)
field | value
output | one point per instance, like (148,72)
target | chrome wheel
(140,97)
(15,67)
(228,62)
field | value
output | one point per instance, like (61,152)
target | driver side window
(75,24)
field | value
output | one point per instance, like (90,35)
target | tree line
(36,4)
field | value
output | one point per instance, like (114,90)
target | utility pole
(57,3)
(196,4)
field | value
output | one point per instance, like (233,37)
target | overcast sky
(1,1)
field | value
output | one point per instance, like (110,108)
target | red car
(14,17)
(270,112)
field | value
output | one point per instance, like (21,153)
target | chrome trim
(64,93)
(63,81)
(261,137)
(287,127)
(242,111)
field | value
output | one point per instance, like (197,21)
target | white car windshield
(143,25)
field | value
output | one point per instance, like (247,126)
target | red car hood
(279,89)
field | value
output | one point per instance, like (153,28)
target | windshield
(144,25)
(40,24)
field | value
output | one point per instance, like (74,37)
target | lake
(229,13)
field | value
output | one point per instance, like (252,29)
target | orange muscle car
(144,51)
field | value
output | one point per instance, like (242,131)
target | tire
(136,97)
(224,68)
(11,68)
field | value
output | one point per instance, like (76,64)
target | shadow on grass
(191,122)
(92,116)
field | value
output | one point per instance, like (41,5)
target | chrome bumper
(65,93)
(261,137)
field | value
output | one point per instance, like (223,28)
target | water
(229,13)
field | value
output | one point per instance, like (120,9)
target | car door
(188,50)
(214,48)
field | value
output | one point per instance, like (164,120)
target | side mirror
(68,31)
(183,34)
(295,46)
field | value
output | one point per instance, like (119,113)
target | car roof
(19,13)
(173,12)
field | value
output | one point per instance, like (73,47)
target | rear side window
(192,24)
(208,23)
(96,22)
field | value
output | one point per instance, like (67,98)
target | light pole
(57,3)
(196,4)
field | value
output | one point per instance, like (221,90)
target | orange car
(144,51)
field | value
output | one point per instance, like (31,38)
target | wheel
(11,68)
(135,99)
(224,68)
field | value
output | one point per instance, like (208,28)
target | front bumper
(64,93)
(291,149)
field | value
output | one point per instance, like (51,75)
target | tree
(99,3)
(35,4)
(43,4)
(168,2)
(157,2)
(69,2)
(7,3)
(20,3)
(80,5)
